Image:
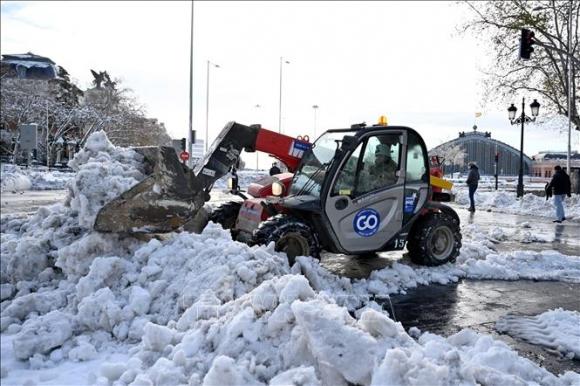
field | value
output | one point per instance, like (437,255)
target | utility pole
(190,133)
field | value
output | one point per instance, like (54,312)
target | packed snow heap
(203,309)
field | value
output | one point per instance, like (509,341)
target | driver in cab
(383,172)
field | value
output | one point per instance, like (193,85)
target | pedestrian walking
(472,182)
(560,188)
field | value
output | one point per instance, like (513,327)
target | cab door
(364,205)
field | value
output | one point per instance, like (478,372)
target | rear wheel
(226,214)
(435,240)
(290,235)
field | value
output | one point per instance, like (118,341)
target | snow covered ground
(80,307)
(530,204)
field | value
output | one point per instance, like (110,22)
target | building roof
(28,66)
(28,57)
(555,155)
(483,137)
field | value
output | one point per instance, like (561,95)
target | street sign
(184,156)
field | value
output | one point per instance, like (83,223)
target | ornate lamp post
(522,119)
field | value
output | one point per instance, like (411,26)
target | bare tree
(499,23)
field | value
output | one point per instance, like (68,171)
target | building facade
(544,162)
(480,147)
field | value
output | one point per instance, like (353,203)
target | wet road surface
(478,304)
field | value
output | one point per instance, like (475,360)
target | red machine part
(263,187)
(282,147)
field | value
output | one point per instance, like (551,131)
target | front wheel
(435,240)
(290,235)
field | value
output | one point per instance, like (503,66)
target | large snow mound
(103,172)
(529,204)
(13,179)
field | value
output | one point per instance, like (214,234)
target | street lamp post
(257,106)
(209,64)
(280,102)
(315,108)
(523,118)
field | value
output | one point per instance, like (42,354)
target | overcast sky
(355,60)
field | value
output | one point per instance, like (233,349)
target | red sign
(184,155)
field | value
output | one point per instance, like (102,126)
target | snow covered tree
(452,155)
(499,24)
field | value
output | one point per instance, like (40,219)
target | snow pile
(29,246)
(103,172)
(530,204)
(13,179)
(283,332)
(44,179)
(556,329)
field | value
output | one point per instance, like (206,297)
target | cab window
(376,170)
(416,161)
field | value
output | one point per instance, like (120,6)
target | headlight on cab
(277,188)
(230,183)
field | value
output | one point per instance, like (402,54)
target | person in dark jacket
(274,169)
(472,182)
(560,187)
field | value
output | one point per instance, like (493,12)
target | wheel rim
(293,244)
(441,243)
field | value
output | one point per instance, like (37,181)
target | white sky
(356,60)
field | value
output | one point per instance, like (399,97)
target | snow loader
(338,194)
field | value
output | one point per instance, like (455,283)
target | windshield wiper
(306,188)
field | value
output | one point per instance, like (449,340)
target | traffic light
(183,143)
(526,42)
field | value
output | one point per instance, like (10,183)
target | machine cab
(368,183)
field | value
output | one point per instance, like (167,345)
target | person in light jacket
(472,182)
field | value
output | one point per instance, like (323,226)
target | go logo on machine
(366,222)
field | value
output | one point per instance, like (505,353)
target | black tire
(290,235)
(226,214)
(434,240)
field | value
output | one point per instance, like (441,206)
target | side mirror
(349,143)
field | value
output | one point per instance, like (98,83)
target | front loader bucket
(172,194)
(169,197)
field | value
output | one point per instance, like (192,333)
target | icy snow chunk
(335,340)
(83,352)
(298,376)
(42,334)
(99,310)
(297,287)
(40,302)
(104,272)
(224,372)
(139,300)
(6,291)
(112,371)
(205,308)
(156,337)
